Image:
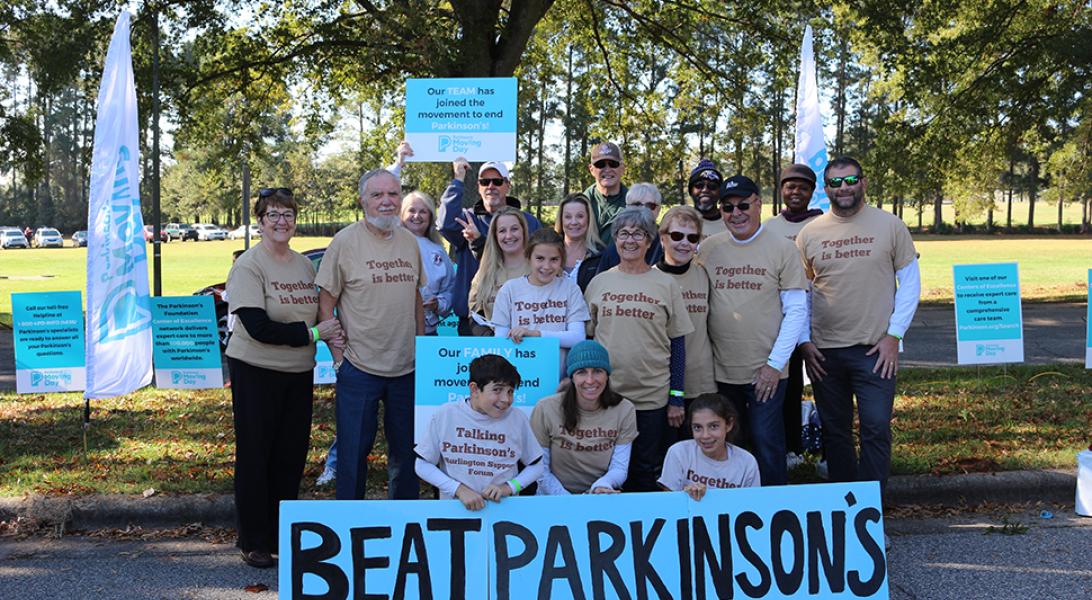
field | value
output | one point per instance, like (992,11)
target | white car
(13,238)
(48,237)
(240,232)
(207,232)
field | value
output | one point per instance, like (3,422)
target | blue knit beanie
(588,354)
(705,170)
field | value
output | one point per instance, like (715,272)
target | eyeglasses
(677,236)
(602,164)
(494,181)
(637,236)
(649,205)
(728,207)
(267,192)
(287,217)
(836,182)
(705,185)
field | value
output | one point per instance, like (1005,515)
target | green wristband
(516,486)
(315,335)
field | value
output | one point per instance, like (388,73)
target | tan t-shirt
(852,263)
(634,317)
(375,281)
(685,463)
(710,228)
(785,228)
(580,458)
(287,293)
(486,299)
(694,284)
(746,281)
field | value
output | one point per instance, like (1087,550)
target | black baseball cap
(738,185)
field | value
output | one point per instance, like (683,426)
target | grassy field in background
(951,420)
(1046,215)
(1051,267)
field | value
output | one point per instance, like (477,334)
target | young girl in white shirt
(710,459)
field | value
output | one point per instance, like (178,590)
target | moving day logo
(50,379)
(187,378)
(988,349)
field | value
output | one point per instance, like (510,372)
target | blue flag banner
(988,314)
(47,330)
(119,317)
(814,541)
(1088,323)
(811,148)
(187,345)
(443,371)
(470,117)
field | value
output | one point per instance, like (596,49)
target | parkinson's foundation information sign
(470,117)
(186,345)
(813,541)
(988,314)
(443,371)
(48,334)
(1088,323)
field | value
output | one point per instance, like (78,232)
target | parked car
(207,232)
(216,290)
(149,233)
(240,232)
(79,239)
(13,238)
(179,231)
(48,237)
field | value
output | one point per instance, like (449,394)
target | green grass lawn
(947,421)
(186,266)
(1051,268)
(1046,214)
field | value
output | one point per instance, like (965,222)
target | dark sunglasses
(677,236)
(601,164)
(728,207)
(494,181)
(836,182)
(705,185)
(267,192)
(649,205)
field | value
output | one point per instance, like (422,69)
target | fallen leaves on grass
(948,466)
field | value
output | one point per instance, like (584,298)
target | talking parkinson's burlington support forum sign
(814,541)
(474,118)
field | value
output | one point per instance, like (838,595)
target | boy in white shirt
(473,448)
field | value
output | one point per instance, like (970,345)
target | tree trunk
(568,120)
(1061,204)
(1033,191)
(541,137)
(938,216)
(840,99)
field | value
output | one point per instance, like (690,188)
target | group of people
(678,337)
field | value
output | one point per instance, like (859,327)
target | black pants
(794,397)
(647,456)
(272,413)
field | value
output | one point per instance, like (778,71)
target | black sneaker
(258,559)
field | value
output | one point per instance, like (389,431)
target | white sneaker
(327,477)
(793,460)
(821,469)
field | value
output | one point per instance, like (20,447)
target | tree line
(968,103)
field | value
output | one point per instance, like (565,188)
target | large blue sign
(989,323)
(814,541)
(443,369)
(49,342)
(186,345)
(470,117)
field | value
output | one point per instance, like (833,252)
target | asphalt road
(933,559)
(1053,333)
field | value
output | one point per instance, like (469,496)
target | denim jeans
(849,374)
(358,397)
(762,428)
(647,456)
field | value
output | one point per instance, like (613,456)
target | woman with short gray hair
(638,315)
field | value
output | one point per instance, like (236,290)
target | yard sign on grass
(988,316)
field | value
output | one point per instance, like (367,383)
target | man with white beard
(371,273)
